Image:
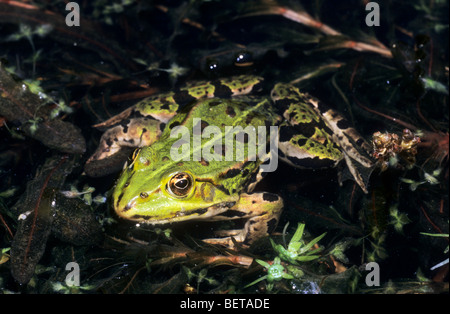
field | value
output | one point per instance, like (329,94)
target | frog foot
(262,211)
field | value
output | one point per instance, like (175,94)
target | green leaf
(297,235)
(312,252)
(312,242)
(443,235)
(434,85)
(307,258)
(294,247)
(287,276)
(256,281)
(263,263)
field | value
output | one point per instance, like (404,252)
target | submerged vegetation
(390,81)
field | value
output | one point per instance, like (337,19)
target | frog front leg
(136,132)
(262,210)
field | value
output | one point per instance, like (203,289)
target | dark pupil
(181,184)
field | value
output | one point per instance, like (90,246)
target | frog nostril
(143,195)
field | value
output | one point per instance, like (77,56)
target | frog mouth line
(199,213)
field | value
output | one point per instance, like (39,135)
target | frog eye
(180,184)
(212,65)
(243,59)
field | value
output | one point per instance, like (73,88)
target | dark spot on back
(230,112)
(221,90)
(214,103)
(183,97)
(165,104)
(231,173)
(203,125)
(174,124)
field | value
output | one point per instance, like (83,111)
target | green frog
(201,150)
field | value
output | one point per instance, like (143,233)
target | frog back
(218,140)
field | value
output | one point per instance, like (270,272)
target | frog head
(154,189)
